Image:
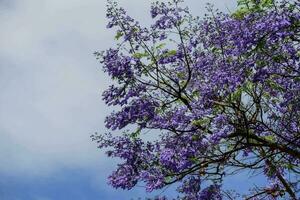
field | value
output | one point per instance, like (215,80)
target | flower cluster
(169,15)
(221,94)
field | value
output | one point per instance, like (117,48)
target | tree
(216,96)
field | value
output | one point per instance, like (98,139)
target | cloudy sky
(50,101)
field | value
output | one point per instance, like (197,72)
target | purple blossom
(222,94)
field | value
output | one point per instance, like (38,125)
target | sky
(50,101)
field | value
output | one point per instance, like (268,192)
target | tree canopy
(202,99)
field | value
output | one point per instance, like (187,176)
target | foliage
(217,95)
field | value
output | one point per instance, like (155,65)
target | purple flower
(198,97)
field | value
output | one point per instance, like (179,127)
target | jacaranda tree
(202,99)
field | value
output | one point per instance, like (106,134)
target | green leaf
(270,138)
(135,134)
(182,83)
(267,3)
(119,35)
(140,55)
(289,166)
(246,7)
(201,122)
(297,79)
(195,137)
(240,14)
(160,46)
(261,44)
(171,53)
(196,94)
(194,160)
(235,96)
(275,86)
(181,75)
(278,58)
(168,179)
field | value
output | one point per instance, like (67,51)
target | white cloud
(50,83)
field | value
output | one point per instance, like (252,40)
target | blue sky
(50,100)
